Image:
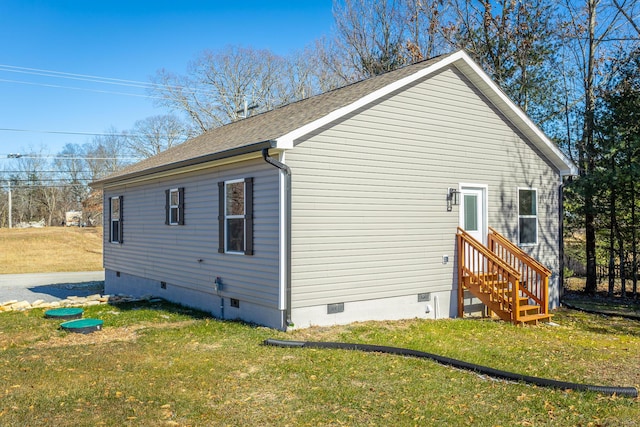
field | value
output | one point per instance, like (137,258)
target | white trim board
(479,78)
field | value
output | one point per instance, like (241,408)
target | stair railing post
(515,286)
(460,278)
(545,305)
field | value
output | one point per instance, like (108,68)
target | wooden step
(521,300)
(534,319)
(488,277)
(527,309)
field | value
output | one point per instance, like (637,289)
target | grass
(158,364)
(50,249)
(601,302)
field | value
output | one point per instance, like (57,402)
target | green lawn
(157,364)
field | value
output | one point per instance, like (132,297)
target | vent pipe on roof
(246,109)
(286,171)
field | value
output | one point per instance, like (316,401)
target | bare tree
(630,9)
(35,196)
(371,34)
(218,84)
(333,68)
(373,37)
(155,134)
(106,154)
(428,23)
(514,43)
(72,168)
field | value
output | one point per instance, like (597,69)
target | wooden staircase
(508,281)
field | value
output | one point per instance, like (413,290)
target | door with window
(473,211)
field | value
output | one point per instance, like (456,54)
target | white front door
(473,210)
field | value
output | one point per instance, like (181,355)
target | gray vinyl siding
(369,211)
(171,253)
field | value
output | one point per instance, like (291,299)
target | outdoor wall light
(452,198)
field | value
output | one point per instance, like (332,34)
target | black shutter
(110,227)
(221,217)
(121,219)
(248,215)
(167,205)
(181,206)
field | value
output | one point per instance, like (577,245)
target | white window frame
(112,220)
(175,191)
(243,217)
(535,190)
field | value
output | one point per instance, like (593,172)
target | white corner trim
(287,140)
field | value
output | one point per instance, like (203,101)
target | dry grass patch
(50,249)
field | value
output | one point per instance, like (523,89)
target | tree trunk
(588,166)
(612,226)
(634,246)
(621,257)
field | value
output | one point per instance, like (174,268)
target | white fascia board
(287,140)
(565,166)
(551,150)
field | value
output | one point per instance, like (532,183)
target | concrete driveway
(50,287)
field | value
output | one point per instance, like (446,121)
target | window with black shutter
(174,206)
(115,219)
(235,216)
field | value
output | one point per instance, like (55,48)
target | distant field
(51,249)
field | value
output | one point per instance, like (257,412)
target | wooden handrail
(487,253)
(533,275)
(514,248)
(488,271)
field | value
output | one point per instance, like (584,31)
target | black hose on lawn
(496,373)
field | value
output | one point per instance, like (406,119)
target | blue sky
(127,40)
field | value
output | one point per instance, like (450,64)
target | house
(344,206)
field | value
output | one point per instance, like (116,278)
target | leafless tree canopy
(155,134)
(219,86)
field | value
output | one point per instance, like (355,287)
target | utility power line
(109,92)
(41,171)
(59,132)
(82,77)
(94,79)
(12,156)
(61,180)
(31,186)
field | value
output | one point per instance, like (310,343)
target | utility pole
(11,156)
(9,183)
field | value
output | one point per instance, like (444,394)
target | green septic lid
(64,313)
(82,326)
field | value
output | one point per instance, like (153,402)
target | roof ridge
(271,124)
(331,91)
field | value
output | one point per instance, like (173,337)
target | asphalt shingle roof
(268,125)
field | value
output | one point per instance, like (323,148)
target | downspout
(286,170)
